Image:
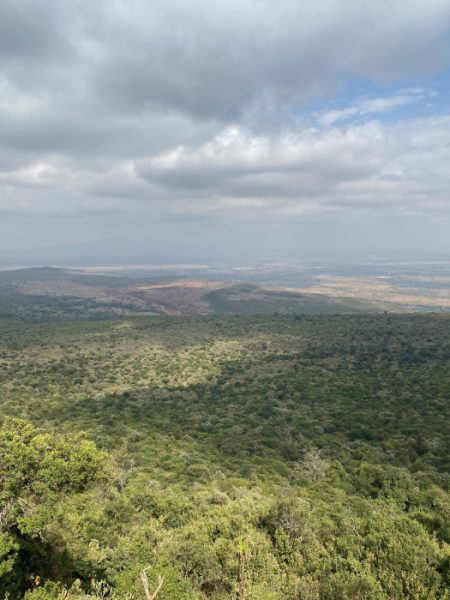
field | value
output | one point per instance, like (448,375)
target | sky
(234,129)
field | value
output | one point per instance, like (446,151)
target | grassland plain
(272,457)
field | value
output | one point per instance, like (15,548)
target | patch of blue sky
(357,100)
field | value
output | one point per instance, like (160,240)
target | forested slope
(237,457)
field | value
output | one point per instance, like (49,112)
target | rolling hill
(49,292)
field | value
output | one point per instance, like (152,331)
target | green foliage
(35,469)
(265,458)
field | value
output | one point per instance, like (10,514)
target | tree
(313,466)
(35,470)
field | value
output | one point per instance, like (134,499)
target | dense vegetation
(241,457)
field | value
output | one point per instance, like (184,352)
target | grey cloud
(211,59)
(366,165)
(119,110)
(29,31)
(240,164)
(107,73)
(220,60)
(56,129)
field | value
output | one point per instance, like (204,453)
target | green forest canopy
(236,457)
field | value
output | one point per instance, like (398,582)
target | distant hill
(254,299)
(34,274)
(50,292)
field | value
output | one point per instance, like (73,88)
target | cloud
(402,168)
(222,59)
(185,109)
(371,168)
(369,106)
(210,59)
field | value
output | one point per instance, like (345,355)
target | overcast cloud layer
(306,124)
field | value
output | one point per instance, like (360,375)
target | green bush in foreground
(36,469)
